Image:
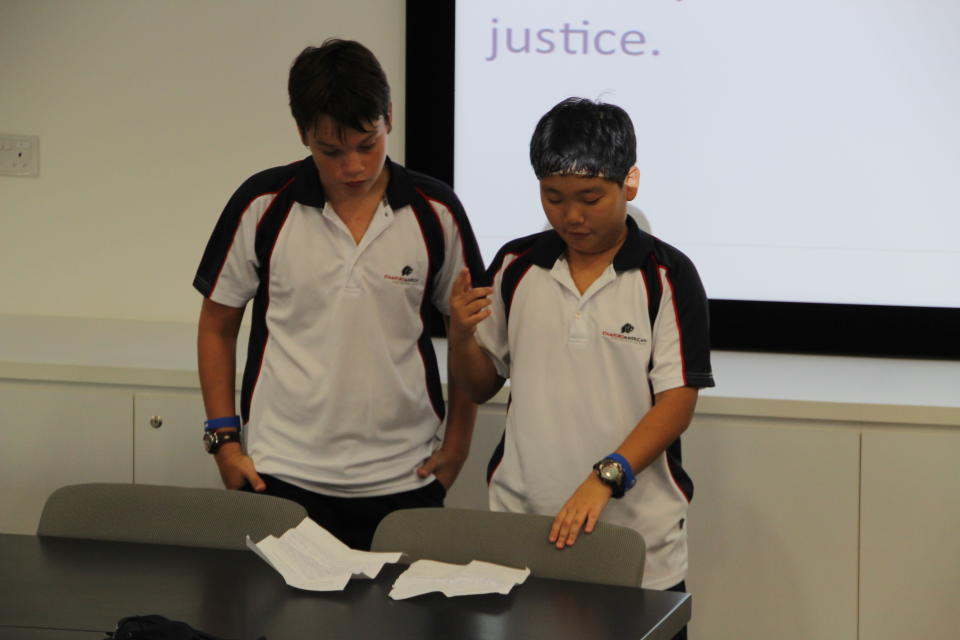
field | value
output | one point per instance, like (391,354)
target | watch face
(611,472)
(213,439)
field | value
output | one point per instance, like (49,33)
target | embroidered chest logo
(622,335)
(405,277)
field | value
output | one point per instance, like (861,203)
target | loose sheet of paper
(310,557)
(478,577)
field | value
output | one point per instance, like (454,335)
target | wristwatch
(611,473)
(213,439)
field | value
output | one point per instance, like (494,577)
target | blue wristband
(629,479)
(222,423)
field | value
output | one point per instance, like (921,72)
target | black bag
(154,627)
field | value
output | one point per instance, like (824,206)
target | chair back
(611,554)
(185,516)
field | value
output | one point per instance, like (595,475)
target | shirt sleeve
(228,270)
(460,250)
(681,332)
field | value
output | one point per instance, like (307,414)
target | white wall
(150,113)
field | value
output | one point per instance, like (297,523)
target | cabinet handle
(156,422)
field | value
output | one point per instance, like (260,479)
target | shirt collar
(549,247)
(308,191)
(636,248)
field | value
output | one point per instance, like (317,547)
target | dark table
(71,589)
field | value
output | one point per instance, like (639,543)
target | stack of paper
(425,576)
(310,557)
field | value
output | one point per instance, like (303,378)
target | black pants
(682,587)
(353,520)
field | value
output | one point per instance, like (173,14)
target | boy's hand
(236,468)
(444,465)
(468,306)
(581,510)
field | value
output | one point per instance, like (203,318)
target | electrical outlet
(19,155)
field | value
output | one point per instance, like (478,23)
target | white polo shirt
(584,370)
(341,393)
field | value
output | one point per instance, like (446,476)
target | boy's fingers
(565,528)
(462,283)
(554,535)
(476,298)
(255,481)
(427,467)
(479,304)
(574,529)
(591,523)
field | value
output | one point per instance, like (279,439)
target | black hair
(341,79)
(584,138)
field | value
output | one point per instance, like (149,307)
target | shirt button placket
(578,329)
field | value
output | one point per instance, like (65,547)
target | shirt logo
(621,336)
(404,277)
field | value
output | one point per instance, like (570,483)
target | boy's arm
(447,461)
(217,333)
(471,369)
(662,424)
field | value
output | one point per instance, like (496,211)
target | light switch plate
(19,155)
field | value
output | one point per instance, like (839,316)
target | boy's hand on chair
(582,510)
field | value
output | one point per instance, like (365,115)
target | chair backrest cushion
(611,554)
(186,516)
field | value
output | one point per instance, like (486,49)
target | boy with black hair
(343,255)
(603,332)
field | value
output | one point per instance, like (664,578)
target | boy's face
(588,213)
(350,162)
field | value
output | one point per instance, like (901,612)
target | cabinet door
(772,529)
(51,436)
(168,449)
(910,534)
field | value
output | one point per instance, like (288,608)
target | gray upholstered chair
(611,554)
(192,517)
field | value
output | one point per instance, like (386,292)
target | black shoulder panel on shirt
(514,247)
(215,254)
(433,189)
(514,272)
(692,311)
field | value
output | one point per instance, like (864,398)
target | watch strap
(227,422)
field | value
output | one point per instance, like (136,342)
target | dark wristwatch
(213,439)
(611,473)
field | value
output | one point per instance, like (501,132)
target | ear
(389,117)
(303,136)
(632,182)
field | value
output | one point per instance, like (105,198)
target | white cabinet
(52,435)
(59,434)
(910,534)
(773,529)
(167,430)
